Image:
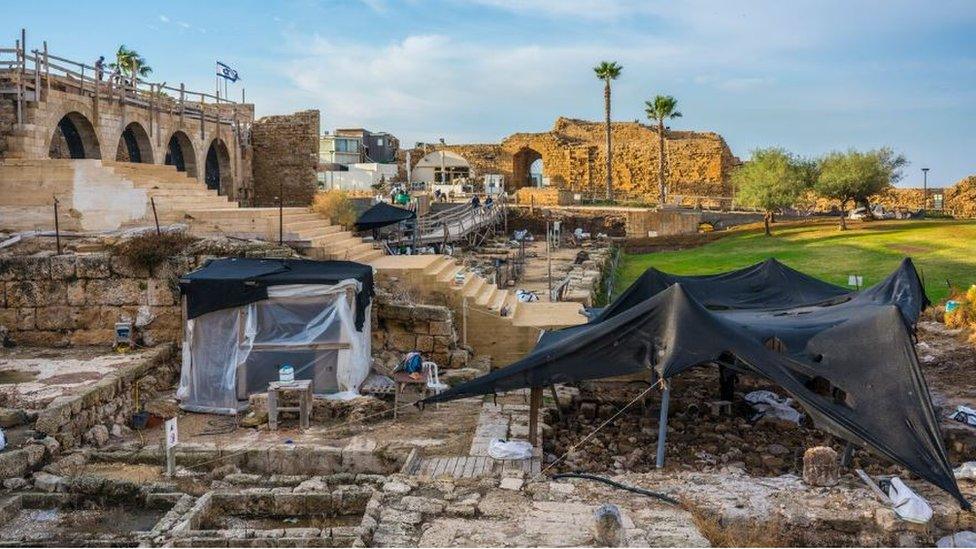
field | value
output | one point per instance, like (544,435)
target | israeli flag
(226,72)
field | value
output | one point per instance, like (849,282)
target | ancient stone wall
(960,199)
(286,149)
(106,407)
(77,299)
(574,152)
(399,328)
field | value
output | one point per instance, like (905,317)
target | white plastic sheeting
(232,353)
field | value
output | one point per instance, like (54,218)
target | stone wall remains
(285,149)
(401,327)
(574,152)
(106,407)
(77,299)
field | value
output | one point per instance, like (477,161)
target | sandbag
(509,449)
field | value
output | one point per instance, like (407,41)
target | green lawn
(940,249)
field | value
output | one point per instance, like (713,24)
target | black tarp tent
(381,215)
(859,342)
(232,282)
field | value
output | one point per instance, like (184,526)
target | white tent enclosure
(232,353)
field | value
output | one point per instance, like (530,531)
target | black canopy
(232,282)
(381,215)
(859,342)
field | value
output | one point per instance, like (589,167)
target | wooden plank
(535,402)
(441,466)
(449,465)
(426,467)
(469,467)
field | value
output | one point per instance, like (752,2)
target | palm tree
(607,71)
(130,63)
(660,108)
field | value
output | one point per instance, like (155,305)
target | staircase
(505,337)
(103,195)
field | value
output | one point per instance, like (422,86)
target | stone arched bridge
(51,107)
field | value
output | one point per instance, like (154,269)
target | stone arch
(217,174)
(134,145)
(180,153)
(522,167)
(74,137)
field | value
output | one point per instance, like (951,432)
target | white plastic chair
(433,379)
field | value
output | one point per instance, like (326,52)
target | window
(379,142)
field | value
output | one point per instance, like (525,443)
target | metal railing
(31,74)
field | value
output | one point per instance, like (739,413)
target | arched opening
(74,137)
(535,173)
(134,145)
(180,153)
(522,165)
(217,170)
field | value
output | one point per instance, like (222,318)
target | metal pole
(549,257)
(281,219)
(925,188)
(464,321)
(662,427)
(152,200)
(57,226)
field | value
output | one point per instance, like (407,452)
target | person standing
(99,67)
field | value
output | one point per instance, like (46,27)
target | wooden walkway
(472,466)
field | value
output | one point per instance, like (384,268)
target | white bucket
(286,374)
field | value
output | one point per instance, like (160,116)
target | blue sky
(810,76)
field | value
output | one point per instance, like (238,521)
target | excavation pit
(78,519)
(276,517)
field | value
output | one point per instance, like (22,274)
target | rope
(592,433)
(615,484)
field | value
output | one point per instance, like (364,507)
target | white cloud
(164,19)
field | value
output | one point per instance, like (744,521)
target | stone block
(114,291)
(63,267)
(821,466)
(35,293)
(58,317)
(25,268)
(441,328)
(93,266)
(76,293)
(425,343)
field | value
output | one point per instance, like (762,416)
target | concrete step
(498,300)
(309,224)
(368,256)
(472,286)
(486,294)
(313,232)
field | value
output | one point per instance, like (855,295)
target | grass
(941,249)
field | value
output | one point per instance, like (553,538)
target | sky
(809,76)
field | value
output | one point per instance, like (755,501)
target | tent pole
(535,402)
(662,428)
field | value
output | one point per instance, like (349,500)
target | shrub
(149,250)
(336,206)
(965,314)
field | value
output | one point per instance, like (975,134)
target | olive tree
(853,176)
(771,180)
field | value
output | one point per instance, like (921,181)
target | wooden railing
(30,75)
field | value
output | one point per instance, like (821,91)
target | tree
(854,176)
(607,71)
(772,179)
(661,108)
(130,63)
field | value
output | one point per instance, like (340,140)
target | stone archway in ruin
(522,163)
(134,145)
(217,170)
(180,153)
(74,137)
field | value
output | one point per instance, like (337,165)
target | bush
(149,250)
(336,206)
(965,314)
